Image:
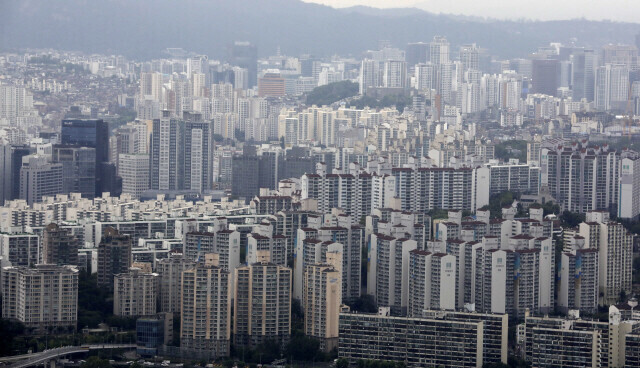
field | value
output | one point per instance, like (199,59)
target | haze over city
(615,10)
(348,184)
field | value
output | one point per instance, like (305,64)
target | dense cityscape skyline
(428,200)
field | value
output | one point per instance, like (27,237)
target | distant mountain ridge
(144,28)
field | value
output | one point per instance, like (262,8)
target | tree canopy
(399,101)
(332,92)
(512,149)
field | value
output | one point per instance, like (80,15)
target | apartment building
(321,300)
(42,297)
(262,303)
(170,270)
(135,293)
(205,315)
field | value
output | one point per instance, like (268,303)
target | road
(30,360)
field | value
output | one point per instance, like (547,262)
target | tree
(512,149)
(332,92)
(399,101)
(572,219)
(9,330)
(301,347)
(364,304)
(95,362)
(297,317)
(94,303)
(342,363)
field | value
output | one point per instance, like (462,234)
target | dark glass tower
(92,133)
(245,55)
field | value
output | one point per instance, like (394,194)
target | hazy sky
(620,10)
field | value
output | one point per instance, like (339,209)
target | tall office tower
(6,176)
(198,155)
(439,50)
(506,94)
(293,131)
(612,87)
(134,171)
(395,74)
(170,270)
(626,55)
(522,67)
(629,204)
(167,154)
(114,256)
(39,178)
(21,249)
(151,87)
(130,139)
(179,97)
(135,293)
(225,243)
(469,97)
(469,57)
(24,298)
(245,168)
(59,246)
(416,53)
(444,81)
(78,169)
(583,63)
(17,155)
(275,245)
(322,294)
(582,179)
(308,64)
(615,254)
(371,75)
(388,272)
(432,282)
(544,76)
(205,315)
(245,55)
(197,64)
(149,109)
(240,78)
(110,183)
(198,84)
(262,303)
(92,133)
(425,77)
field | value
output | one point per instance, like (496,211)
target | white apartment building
(41,297)
(135,293)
